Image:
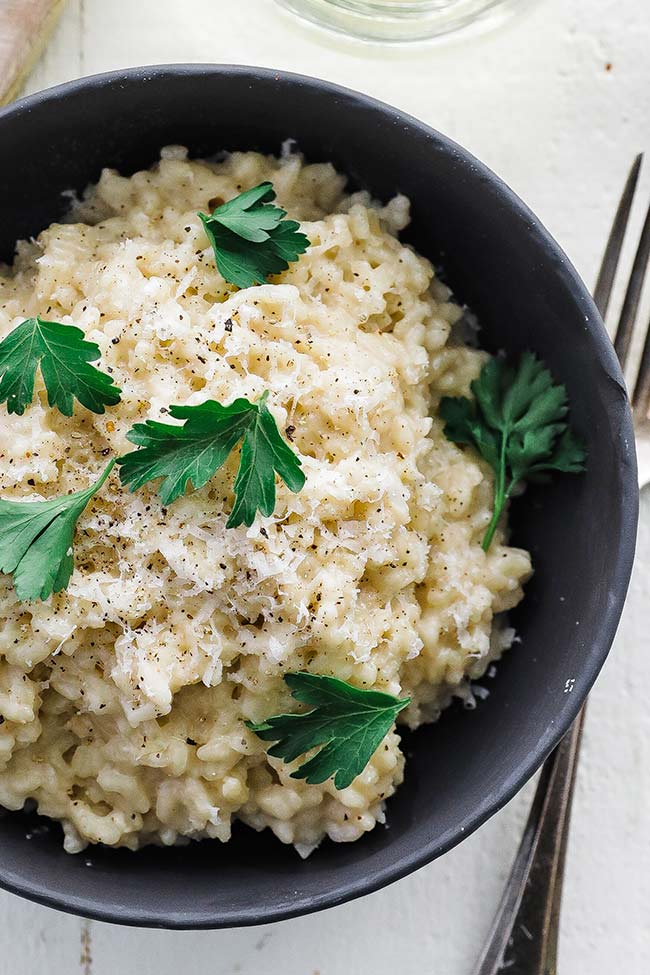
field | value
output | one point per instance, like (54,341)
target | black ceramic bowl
(581,530)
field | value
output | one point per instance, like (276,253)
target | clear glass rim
(400,11)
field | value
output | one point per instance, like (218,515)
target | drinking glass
(403,20)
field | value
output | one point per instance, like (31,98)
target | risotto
(124,700)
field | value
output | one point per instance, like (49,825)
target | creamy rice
(123,700)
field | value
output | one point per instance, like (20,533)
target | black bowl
(580,530)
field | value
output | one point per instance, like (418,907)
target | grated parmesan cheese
(124,698)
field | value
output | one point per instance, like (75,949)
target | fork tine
(641,396)
(623,338)
(605,282)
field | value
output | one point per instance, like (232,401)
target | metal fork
(524,935)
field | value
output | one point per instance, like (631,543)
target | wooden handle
(25,26)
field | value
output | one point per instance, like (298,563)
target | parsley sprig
(192,453)
(347,723)
(517,422)
(63,355)
(36,540)
(251,239)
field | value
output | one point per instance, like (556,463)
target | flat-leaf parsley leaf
(36,540)
(63,355)
(251,239)
(517,422)
(195,451)
(348,723)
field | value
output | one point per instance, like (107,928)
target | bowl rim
(622,556)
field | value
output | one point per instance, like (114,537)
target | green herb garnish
(251,239)
(195,451)
(63,356)
(517,422)
(36,540)
(347,722)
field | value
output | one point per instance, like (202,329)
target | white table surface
(537,102)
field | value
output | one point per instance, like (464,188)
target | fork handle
(524,935)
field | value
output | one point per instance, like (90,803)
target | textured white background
(557,103)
